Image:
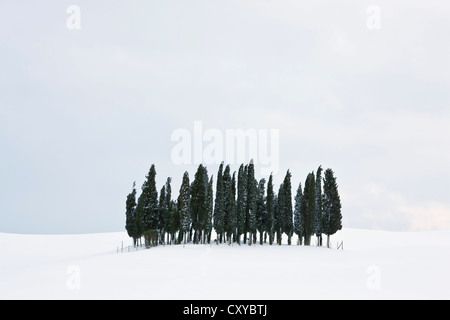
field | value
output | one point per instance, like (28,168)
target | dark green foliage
(261,210)
(299,222)
(209,210)
(184,206)
(285,206)
(241,203)
(277,221)
(230,204)
(283,216)
(163,211)
(240,208)
(319,207)
(219,205)
(279,214)
(171,211)
(148,201)
(270,210)
(138,223)
(130,214)
(139,217)
(199,191)
(308,208)
(250,216)
(332,217)
(173,221)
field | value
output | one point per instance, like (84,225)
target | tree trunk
(307,239)
(328,240)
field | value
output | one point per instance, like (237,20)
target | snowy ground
(373,265)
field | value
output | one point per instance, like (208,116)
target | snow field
(373,265)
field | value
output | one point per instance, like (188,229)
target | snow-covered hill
(373,265)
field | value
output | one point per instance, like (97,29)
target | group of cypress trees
(243,207)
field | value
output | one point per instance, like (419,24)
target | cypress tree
(279,222)
(147,210)
(170,209)
(209,210)
(173,221)
(180,231)
(199,192)
(261,210)
(233,219)
(332,217)
(241,204)
(184,207)
(219,205)
(318,216)
(204,218)
(245,216)
(309,207)
(150,206)
(138,220)
(226,181)
(276,219)
(251,202)
(140,208)
(162,210)
(270,210)
(286,208)
(130,214)
(299,223)
(230,204)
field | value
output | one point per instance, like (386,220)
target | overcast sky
(85,112)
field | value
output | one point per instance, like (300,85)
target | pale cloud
(429,217)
